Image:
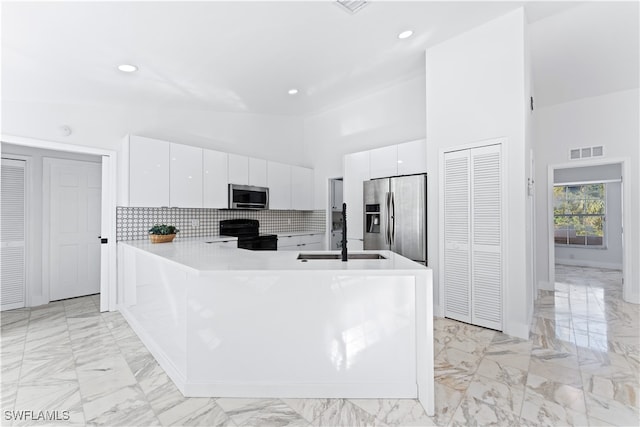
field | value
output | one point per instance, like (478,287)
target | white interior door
(486,237)
(74,226)
(12,239)
(457,236)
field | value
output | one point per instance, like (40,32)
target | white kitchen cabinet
(214,179)
(301,188)
(412,157)
(257,172)
(301,242)
(279,183)
(185,176)
(383,162)
(356,171)
(148,172)
(238,169)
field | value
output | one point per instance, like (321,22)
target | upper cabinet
(185,188)
(238,172)
(412,157)
(148,172)
(279,183)
(402,159)
(155,173)
(257,172)
(215,191)
(301,188)
(384,162)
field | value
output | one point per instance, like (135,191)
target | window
(579,214)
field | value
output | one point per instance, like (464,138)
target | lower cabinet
(300,242)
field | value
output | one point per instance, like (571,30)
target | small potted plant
(162,233)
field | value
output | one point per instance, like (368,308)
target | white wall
(390,116)
(475,91)
(271,137)
(611,120)
(36,293)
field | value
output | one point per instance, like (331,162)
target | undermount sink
(306,257)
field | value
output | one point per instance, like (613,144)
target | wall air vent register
(351,6)
(586,152)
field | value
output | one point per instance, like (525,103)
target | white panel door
(257,172)
(356,171)
(383,162)
(75,224)
(148,172)
(215,188)
(486,220)
(457,227)
(185,189)
(238,169)
(412,157)
(12,239)
(279,183)
(301,188)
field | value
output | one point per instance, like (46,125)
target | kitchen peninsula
(224,321)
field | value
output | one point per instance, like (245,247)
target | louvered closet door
(457,271)
(486,232)
(12,283)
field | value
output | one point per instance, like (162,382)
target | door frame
(109,184)
(504,256)
(624,163)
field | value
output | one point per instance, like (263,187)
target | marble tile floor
(580,366)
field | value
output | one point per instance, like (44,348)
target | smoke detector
(352,6)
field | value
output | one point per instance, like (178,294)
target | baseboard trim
(595,264)
(543,285)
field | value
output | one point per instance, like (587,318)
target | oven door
(259,243)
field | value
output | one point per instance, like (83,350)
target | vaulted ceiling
(245,56)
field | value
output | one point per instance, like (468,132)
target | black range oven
(249,237)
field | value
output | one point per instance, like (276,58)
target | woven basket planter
(161,238)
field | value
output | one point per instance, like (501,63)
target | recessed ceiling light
(127,68)
(293,91)
(405,34)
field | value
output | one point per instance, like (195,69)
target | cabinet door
(214,182)
(148,172)
(279,183)
(238,169)
(185,189)
(301,188)
(384,162)
(356,171)
(412,157)
(257,172)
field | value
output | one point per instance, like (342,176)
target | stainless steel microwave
(248,197)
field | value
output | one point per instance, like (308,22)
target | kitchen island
(229,322)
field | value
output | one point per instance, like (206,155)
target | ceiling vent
(352,6)
(586,152)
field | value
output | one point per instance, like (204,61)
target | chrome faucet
(344,232)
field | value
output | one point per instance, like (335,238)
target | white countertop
(200,257)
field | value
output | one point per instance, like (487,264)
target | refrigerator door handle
(387,235)
(393,218)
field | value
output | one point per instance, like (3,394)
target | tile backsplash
(134,223)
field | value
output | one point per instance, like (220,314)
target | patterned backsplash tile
(134,223)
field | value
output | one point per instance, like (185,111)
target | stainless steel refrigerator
(395,215)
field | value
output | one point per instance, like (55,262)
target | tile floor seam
(75,367)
